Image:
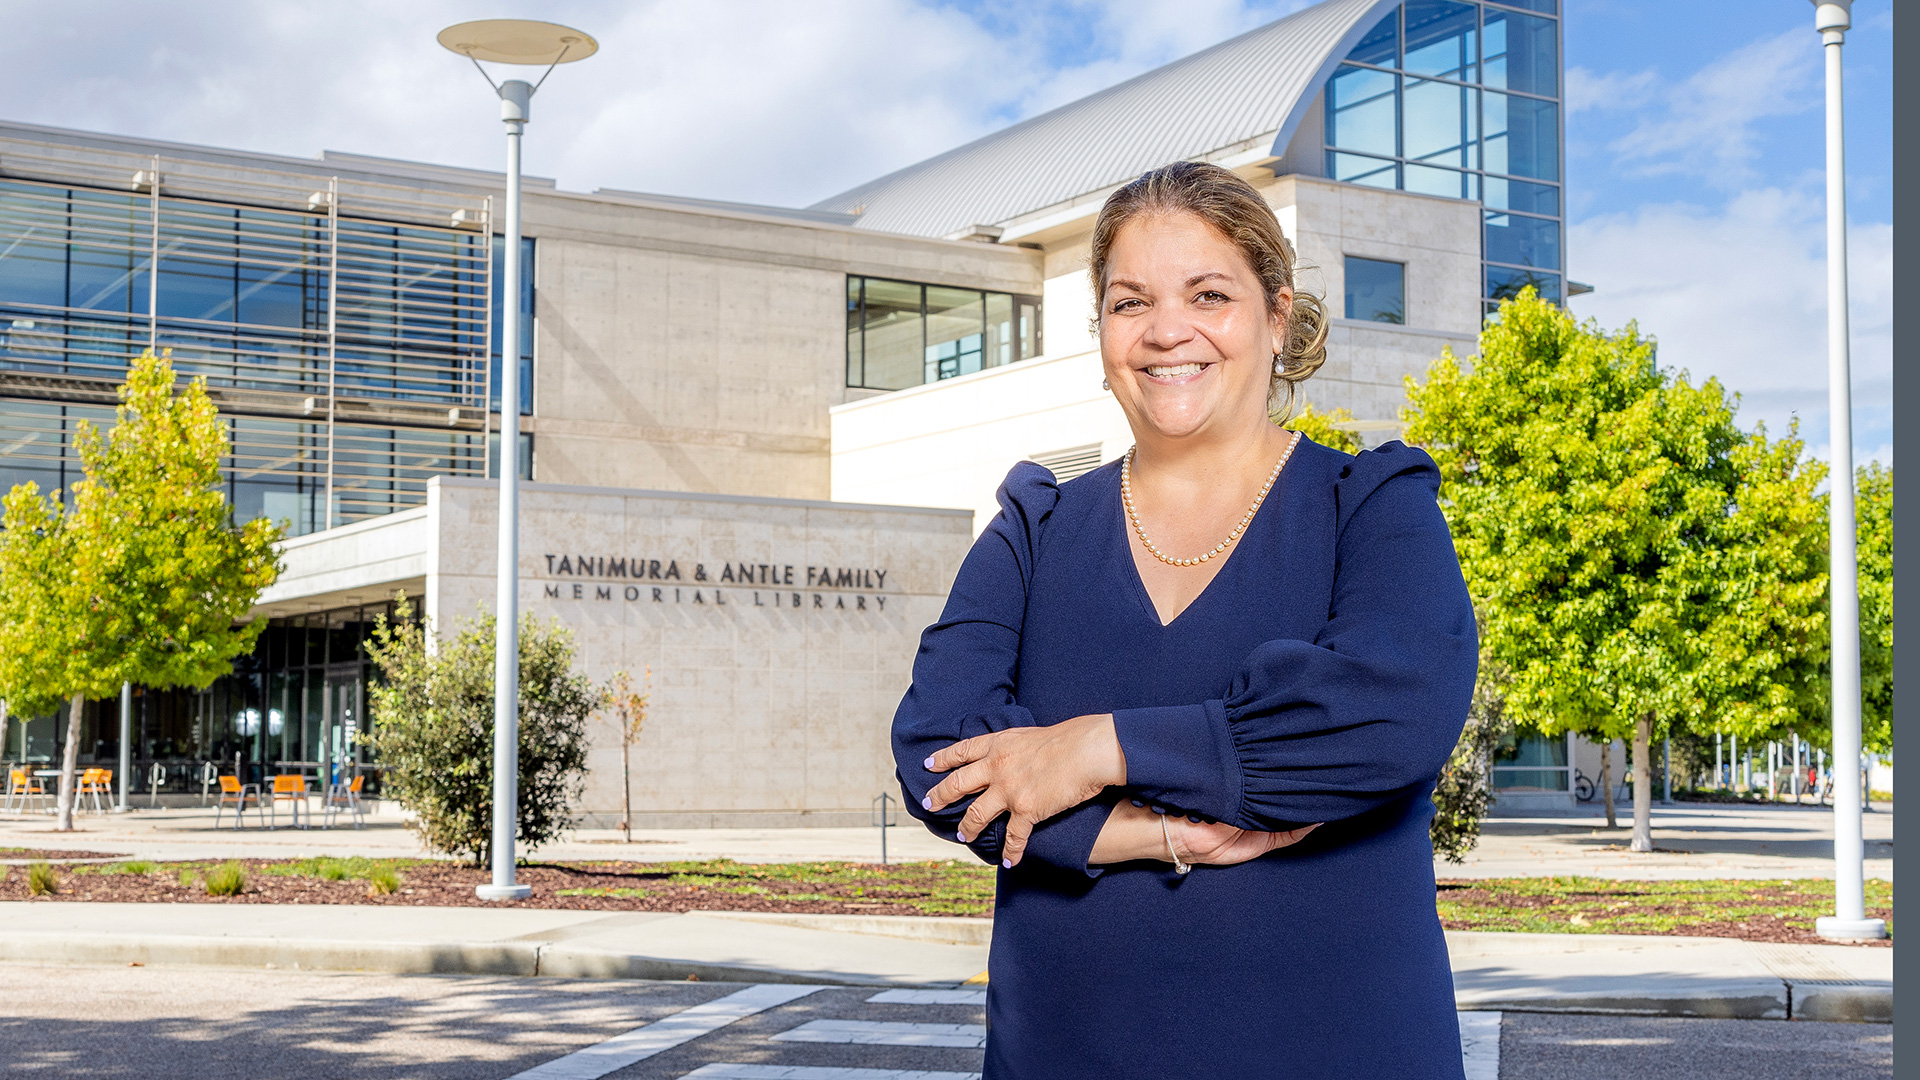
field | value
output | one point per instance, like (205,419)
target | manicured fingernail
(928,764)
(926,803)
(1007,863)
(1195,818)
(1136,802)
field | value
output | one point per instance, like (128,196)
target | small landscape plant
(186,878)
(227,879)
(383,881)
(41,880)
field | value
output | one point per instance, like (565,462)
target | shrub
(433,730)
(41,880)
(227,879)
(186,878)
(1463,791)
(383,881)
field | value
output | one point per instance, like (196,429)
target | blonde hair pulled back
(1229,204)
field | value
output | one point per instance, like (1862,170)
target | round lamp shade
(518,41)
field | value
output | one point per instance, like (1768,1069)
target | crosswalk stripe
(665,1033)
(876,1033)
(1480,1045)
(929,997)
(723,1070)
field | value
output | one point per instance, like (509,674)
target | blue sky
(1694,127)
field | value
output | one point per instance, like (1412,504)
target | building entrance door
(340,727)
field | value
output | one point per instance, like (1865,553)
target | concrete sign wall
(780,635)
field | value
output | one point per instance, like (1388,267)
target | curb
(1746,999)
(523,959)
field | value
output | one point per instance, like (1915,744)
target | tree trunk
(626,793)
(1606,780)
(1643,783)
(69,759)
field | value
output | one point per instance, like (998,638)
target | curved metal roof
(1242,88)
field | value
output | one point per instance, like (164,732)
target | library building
(756,441)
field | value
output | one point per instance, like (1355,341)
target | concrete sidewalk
(1658,976)
(1695,840)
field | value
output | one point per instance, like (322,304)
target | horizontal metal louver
(1071,462)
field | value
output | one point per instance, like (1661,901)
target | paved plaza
(145,1022)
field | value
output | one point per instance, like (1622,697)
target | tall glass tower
(1462,99)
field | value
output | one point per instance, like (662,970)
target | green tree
(1637,561)
(433,729)
(1873,507)
(142,577)
(1325,428)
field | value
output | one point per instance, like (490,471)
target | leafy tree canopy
(1632,553)
(140,577)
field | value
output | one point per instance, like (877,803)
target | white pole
(1849,921)
(126,744)
(514,98)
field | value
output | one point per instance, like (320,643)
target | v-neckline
(1145,598)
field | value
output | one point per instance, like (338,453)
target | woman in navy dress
(1234,652)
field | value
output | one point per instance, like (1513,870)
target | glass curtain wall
(902,333)
(297,703)
(1462,100)
(349,355)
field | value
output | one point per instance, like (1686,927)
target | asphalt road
(212,1024)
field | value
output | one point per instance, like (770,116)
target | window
(1376,290)
(902,333)
(1458,98)
(526,325)
(1531,763)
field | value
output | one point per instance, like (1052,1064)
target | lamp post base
(1838,929)
(521,892)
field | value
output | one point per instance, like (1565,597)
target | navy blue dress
(1323,676)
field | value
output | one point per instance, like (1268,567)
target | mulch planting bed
(1772,911)
(813,888)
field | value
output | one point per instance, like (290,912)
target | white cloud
(751,99)
(1704,126)
(1739,293)
(1589,90)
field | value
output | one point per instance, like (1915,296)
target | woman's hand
(1133,833)
(1029,774)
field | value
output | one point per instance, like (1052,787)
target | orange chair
(23,785)
(346,797)
(236,794)
(95,783)
(288,787)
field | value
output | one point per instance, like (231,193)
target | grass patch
(41,880)
(948,887)
(131,866)
(327,868)
(227,879)
(1583,905)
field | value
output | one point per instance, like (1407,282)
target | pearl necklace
(1133,515)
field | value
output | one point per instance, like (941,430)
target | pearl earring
(1104,385)
(1279,366)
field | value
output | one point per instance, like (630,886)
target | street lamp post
(1849,920)
(511,41)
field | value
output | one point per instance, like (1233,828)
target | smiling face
(1185,334)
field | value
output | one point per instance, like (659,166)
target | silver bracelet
(1178,866)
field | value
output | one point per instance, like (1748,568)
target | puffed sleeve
(1365,713)
(965,672)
